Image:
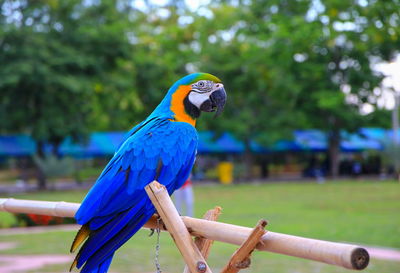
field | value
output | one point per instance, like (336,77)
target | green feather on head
(205,76)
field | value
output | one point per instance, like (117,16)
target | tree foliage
(54,54)
(70,67)
(303,65)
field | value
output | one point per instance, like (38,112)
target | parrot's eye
(202,86)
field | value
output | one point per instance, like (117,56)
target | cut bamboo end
(345,255)
(161,200)
(241,258)
(359,258)
(213,214)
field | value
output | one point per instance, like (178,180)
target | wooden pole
(165,208)
(241,258)
(203,244)
(60,209)
(345,255)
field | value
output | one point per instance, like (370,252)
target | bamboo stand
(241,258)
(203,244)
(206,231)
(191,253)
(162,202)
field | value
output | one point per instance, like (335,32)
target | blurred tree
(54,55)
(256,109)
(70,67)
(160,45)
(302,65)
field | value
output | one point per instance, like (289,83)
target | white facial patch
(197,99)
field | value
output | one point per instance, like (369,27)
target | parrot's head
(196,93)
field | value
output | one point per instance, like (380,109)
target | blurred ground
(361,212)
(25,263)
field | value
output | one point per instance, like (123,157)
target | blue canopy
(17,145)
(98,144)
(229,144)
(226,143)
(311,140)
(384,136)
(286,145)
(105,143)
(365,139)
(257,148)
(207,143)
(359,142)
(376,133)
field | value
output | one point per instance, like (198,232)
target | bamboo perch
(203,244)
(241,258)
(345,255)
(60,209)
(165,208)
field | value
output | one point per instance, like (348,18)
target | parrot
(163,147)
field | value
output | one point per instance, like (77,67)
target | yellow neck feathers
(177,106)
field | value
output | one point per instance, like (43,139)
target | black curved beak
(218,99)
(215,103)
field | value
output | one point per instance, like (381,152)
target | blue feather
(126,163)
(103,236)
(133,177)
(117,205)
(102,267)
(118,240)
(98,222)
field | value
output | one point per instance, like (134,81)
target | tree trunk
(334,150)
(264,166)
(41,179)
(248,160)
(40,175)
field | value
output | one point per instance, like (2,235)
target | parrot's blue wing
(135,129)
(117,205)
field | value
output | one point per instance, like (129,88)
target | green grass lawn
(365,213)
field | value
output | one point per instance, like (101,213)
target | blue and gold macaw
(163,148)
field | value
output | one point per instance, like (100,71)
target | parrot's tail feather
(80,237)
(74,263)
(108,231)
(107,239)
(110,247)
(102,267)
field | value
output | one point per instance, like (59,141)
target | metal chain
(156,261)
